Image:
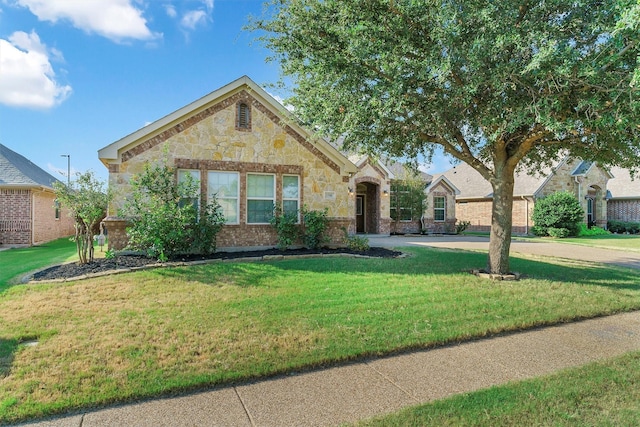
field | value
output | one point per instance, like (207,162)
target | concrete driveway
(552,249)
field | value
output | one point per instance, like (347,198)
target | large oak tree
(500,85)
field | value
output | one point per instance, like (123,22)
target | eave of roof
(109,153)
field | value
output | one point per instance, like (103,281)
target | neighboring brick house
(29,214)
(586,180)
(623,196)
(244,146)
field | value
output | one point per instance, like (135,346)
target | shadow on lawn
(421,261)
(7,351)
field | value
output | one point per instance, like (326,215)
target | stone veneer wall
(210,141)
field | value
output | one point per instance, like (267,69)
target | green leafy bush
(315,227)
(556,212)
(287,227)
(593,231)
(354,242)
(165,215)
(620,227)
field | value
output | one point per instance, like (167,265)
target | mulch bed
(121,262)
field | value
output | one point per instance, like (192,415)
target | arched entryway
(367,207)
(595,210)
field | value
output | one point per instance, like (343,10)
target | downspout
(33,218)
(526,215)
(577,179)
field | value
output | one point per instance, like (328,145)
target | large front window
(261,194)
(439,208)
(224,186)
(406,201)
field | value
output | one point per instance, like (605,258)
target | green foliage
(87,201)
(407,198)
(355,242)
(110,254)
(165,217)
(583,230)
(496,85)
(314,228)
(286,225)
(557,215)
(461,226)
(620,227)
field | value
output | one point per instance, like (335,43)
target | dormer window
(243,116)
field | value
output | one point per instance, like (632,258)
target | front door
(360,220)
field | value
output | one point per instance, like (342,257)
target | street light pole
(68,156)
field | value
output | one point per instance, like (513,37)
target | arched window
(243,116)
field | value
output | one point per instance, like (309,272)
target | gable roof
(181,119)
(18,171)
(442,179)
(472,185)
(621,186)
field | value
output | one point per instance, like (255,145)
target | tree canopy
(498,85)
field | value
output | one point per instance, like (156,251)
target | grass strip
(599,394)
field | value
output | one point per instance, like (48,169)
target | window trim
(443,209)
(247,198)
(236,198)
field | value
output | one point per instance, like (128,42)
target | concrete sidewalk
(374,387)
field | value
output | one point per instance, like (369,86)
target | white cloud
(191,19)
(116,20)
(28,79)
(171,10)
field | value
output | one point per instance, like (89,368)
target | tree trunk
(501,221)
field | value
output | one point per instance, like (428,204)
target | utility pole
(68,156)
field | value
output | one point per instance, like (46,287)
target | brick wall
(46,226)
(624,210)
(478,213)
(15,216)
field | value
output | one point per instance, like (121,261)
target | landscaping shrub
(593,231)
(461,226)
(354,242)
(557,212)
(315,226)
(620,227)
(165,215)
(287,227)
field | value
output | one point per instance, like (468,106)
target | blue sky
(77,75)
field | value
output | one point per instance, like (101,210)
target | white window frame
(227,198)
(443,209)
(296,199)
(249,198)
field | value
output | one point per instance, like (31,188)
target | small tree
(315,226)
(286,225)
(87,202)
(407,198)
(166,216)
(557,215)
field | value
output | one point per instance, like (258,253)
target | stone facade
(28,217)
(207,138)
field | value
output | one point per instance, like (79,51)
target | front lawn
(623,242)
(155,332)
(18,262)
(599,394)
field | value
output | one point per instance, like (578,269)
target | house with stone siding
(587,180)
(29,213)
(245,148)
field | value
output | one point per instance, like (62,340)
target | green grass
(599,394)
(155,332)
(18,262)
(623,242)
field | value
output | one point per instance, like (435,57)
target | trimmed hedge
(619,227)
